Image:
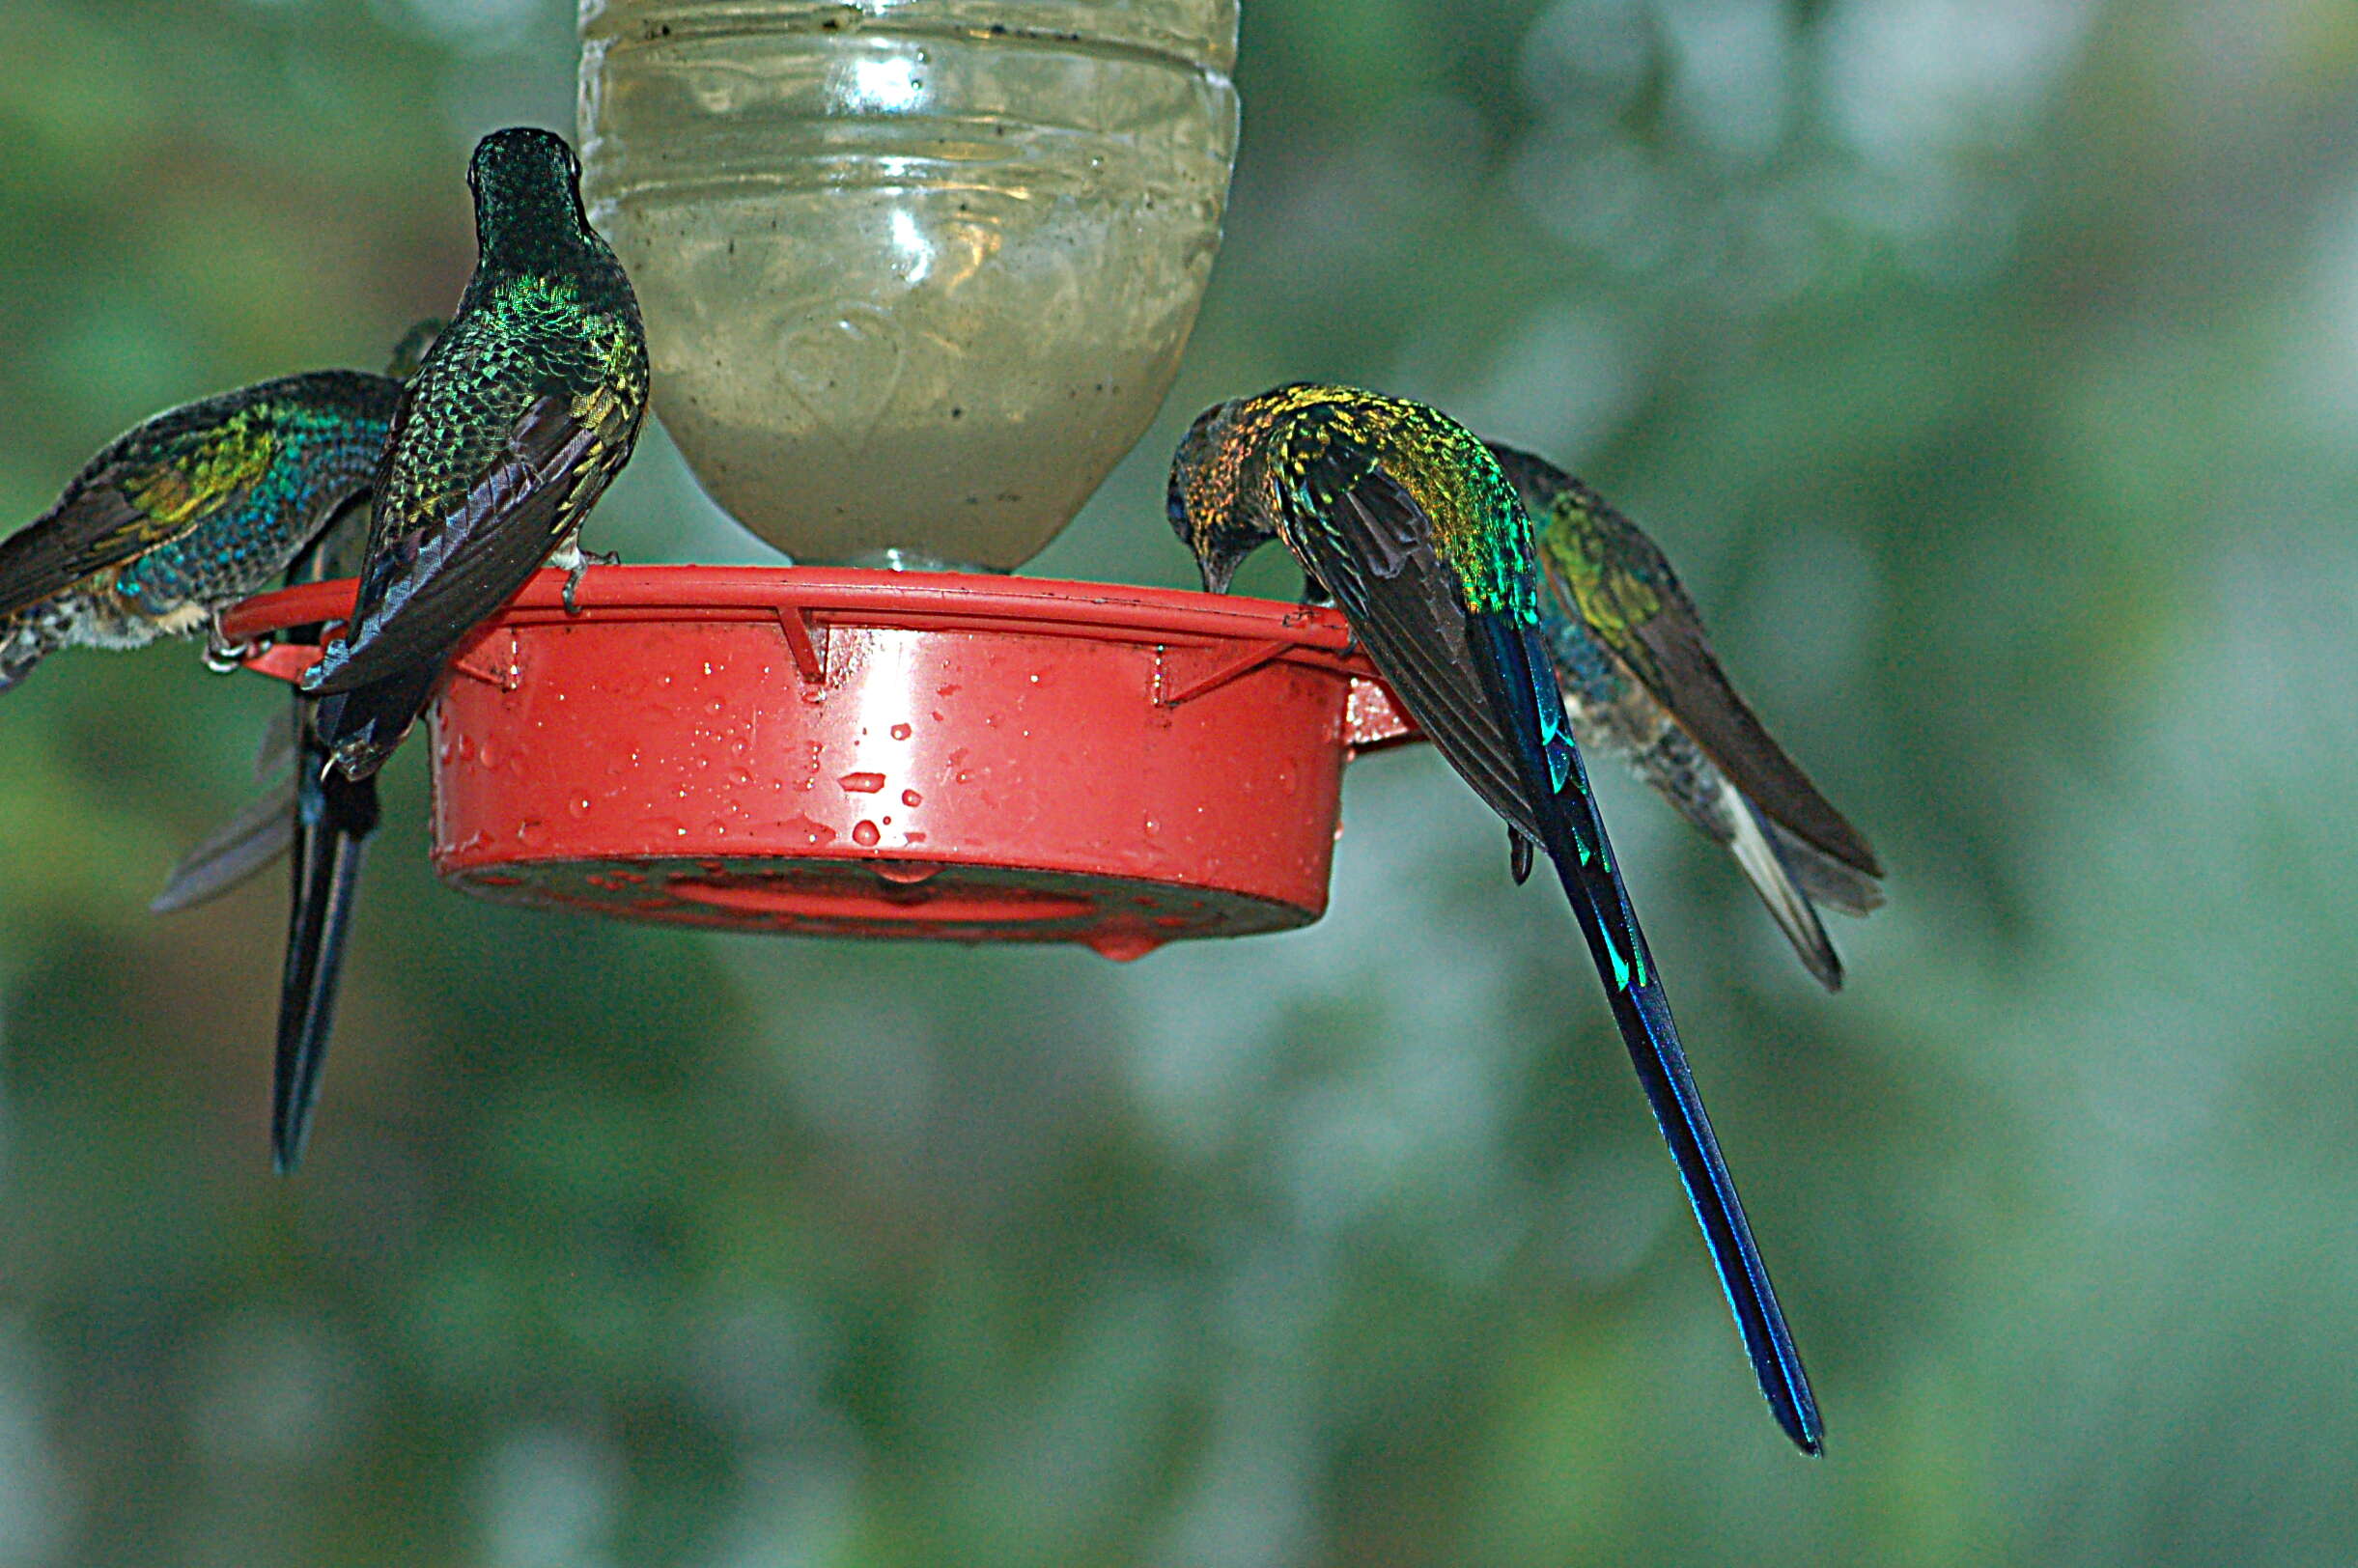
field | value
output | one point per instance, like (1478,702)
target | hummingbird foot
(577,568)
(222,656)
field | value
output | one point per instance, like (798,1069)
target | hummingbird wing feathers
(431,581)
(1607,574)
(1370,545)
(88,532)
(204,503)
(1826,880)
(525,408)
(154,486)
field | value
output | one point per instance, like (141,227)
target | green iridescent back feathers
(525,408)
(190,512)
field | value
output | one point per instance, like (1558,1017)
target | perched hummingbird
(525,408)
(325,818)
(1403,518)
(261,829)
(189,513)
(1639,682)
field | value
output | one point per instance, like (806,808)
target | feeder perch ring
(832,751)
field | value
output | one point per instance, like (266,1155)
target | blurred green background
(1991,373)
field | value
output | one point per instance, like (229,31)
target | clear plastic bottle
(916,273)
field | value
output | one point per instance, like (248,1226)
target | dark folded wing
(96,525)
(1681,670)
(1372,549)
(431,582)
(1653,627)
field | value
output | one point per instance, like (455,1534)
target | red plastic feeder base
(877,754)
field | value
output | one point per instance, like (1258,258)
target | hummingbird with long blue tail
(1640,682)
(1402,516)
(526,405)
(190,512)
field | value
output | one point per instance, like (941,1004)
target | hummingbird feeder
(865,753)
(915,274)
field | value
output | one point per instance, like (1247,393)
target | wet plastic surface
(841,752)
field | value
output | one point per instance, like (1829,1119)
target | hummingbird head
(1209,507)
(528,186)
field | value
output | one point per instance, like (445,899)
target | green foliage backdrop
(1991,372)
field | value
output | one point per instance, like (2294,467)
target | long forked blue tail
(333,817)
(1573,834)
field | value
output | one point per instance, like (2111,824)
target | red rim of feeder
(882,755)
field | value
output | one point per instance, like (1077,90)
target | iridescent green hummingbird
(261,829)
(189,513)
(1640,682)
(525,408)
(325,818)
(1404,519)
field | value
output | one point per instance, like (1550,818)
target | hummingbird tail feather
(360,727)
(1573,834)
(1822,879)
(1756,851)
(257,835)
(334,817)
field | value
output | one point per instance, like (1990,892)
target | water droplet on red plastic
(1123,946)
(908,873)
(862,783)
(864,834)
(911,798)
(900,732)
